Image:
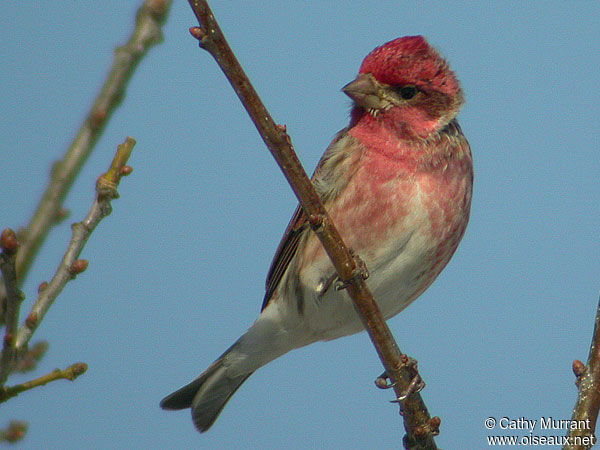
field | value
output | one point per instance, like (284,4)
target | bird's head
(406,85)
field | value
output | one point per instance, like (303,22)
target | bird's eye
(407,92)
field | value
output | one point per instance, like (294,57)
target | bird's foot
(360,272)
(416,383)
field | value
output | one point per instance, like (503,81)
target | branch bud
(31,321)
(9,242)
(157,7)
(79,266)
(197,32)
(42,287)
(578,368)
(126,170)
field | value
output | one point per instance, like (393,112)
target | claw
(416,384)
(340,285)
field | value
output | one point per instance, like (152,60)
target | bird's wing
(298,226)
(285,252)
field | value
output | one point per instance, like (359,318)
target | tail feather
(212,398)
(207,395)
(182,398)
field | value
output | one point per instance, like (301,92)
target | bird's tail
(206,395)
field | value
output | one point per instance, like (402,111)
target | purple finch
(397,183)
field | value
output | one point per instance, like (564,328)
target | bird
(397,183)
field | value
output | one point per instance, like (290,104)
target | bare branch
(106,190)
(14,297)
(147,33)
(582,436)
(417,422)
(70,373)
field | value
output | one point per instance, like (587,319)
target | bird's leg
(360,272)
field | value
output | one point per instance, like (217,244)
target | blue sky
(177,271)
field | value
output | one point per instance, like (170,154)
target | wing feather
(298,226)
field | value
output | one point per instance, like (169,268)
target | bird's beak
(365,91)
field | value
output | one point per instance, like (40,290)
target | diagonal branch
(106,190)
(147,33)
(420,427)
(582,436)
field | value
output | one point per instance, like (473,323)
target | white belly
(396,279)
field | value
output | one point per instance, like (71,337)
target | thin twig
(147,33)
(14,297)
(585,414)
(70,265)
(70,373)
(417,421)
